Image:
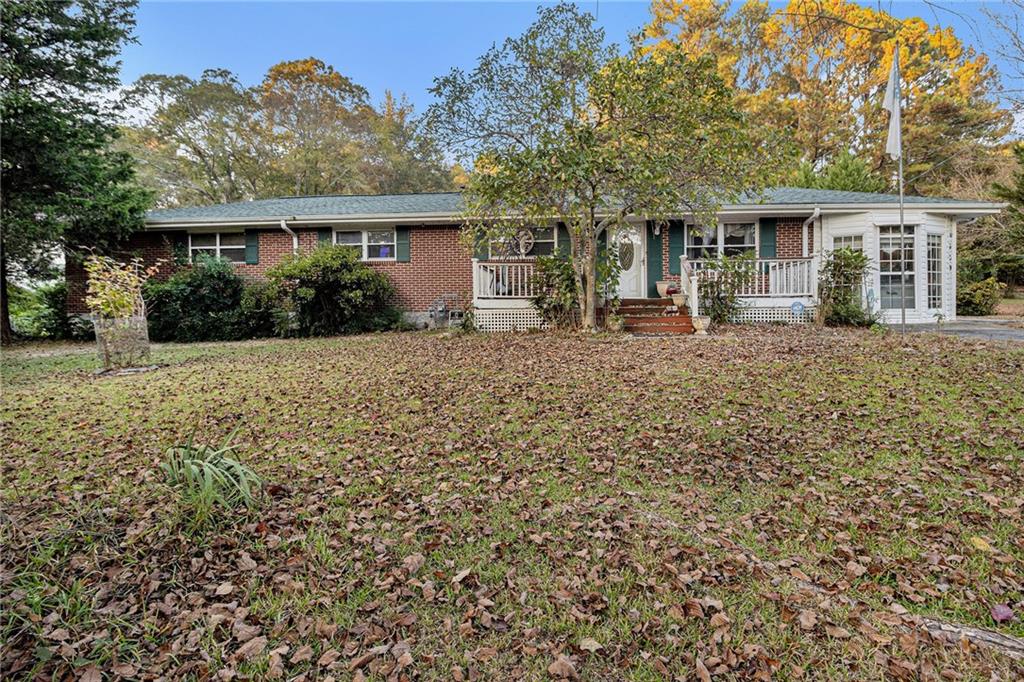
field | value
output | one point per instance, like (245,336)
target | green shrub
(206,478)
(839,289)
(720,285)
(557,299)
(329,292)
(199,303)
(979,298)
(42,314)
(260,309)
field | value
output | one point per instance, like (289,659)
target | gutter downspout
(803,233)
(295,237)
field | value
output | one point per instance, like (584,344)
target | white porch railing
(764,277)
(502,279)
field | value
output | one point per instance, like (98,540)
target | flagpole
(898,103)
(903,265)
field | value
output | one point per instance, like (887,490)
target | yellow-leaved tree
(818,68)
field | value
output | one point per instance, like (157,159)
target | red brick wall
(789,238)
(153,247)
(439,263)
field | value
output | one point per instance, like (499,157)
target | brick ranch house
(414,238)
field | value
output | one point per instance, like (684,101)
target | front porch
(769,288)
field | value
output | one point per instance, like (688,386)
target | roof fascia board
(981,208)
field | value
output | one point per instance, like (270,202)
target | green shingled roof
(447,203)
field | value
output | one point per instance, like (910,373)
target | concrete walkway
(986,328)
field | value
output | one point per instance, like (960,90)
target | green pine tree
(63,186)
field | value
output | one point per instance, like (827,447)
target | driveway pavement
(987,328)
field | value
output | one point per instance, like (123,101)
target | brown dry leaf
(328,657)
(251,649)
(837,632)
(719,620)
(91,674)
(808,619)
(461,575)
(224,589)
(562,668)
(302,654)
(854,570)
(590,644)
(702,671)
(413,563)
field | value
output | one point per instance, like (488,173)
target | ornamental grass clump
(208,478)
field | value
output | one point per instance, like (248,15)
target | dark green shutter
(767,235)
(563,241)
(655,271)
(252,247)
(402,254)
(323,236)
(675,246)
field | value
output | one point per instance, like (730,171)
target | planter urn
(701,324)
(663,287)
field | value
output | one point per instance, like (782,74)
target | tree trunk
(589,307)
(6,333)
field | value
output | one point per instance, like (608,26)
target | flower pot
(614,323)
(700,325)
(663,287)
(679,301)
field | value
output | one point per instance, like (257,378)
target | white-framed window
(853,242)
(739,238)
(373,244)
(896,266)
(730,239)
(934,271)
(227,245)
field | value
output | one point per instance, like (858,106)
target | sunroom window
(935,271)
(896,266)
(227,245)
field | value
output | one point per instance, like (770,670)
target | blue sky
(400,46)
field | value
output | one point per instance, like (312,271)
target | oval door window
(626,254)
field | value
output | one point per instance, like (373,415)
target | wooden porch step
(659,324)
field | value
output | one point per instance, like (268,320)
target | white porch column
(476,279)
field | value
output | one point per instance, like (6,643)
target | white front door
(627,244)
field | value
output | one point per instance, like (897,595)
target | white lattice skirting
(774,314)
(508,319)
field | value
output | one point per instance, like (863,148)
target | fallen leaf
(702,671)
(1001,613)
(461,575)
(590,644)
(562,668)
(413,563)
(302,654)
(251,649)
(808,619)
(837,632)
(223,589)
(981,543)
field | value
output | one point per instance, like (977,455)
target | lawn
(779,503)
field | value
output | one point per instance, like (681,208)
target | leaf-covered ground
(770,503)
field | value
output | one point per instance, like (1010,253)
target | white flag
(894,143)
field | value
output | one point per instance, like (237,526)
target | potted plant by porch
(663,286)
